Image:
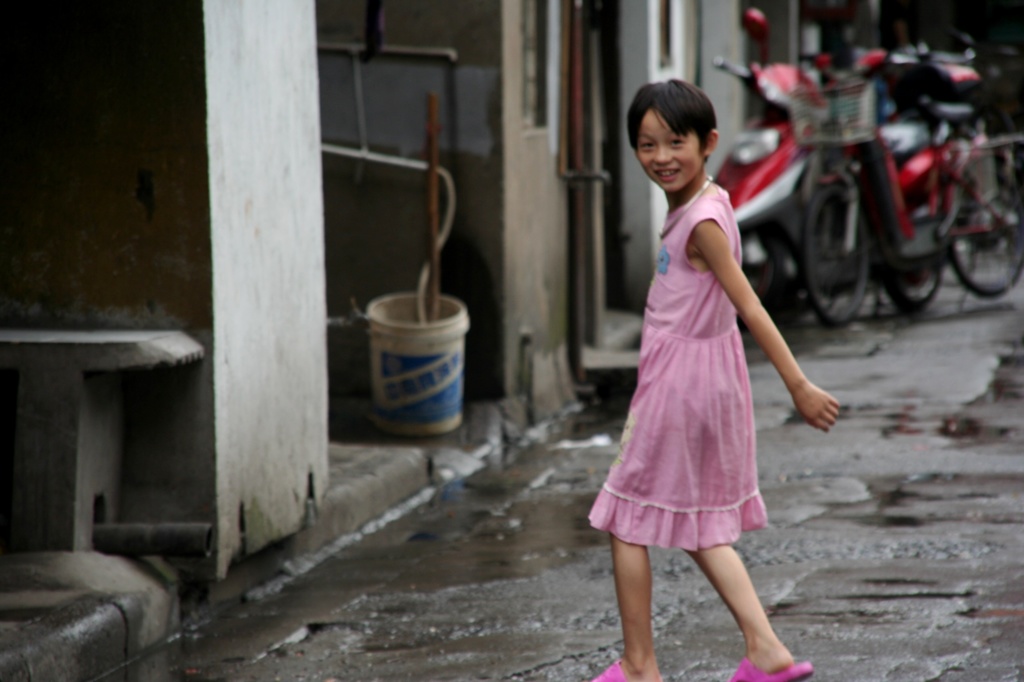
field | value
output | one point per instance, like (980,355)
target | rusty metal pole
(578,193)
(433,303)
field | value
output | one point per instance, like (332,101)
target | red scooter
(903,198)
(764,169)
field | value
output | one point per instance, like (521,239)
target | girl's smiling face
(674,161)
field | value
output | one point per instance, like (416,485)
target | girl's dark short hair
(683,106)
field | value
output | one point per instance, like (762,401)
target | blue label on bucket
(420,389)
(393,365)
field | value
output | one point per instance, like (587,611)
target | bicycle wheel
(996,120)
(913,291)
(987,250)
(835,263)
(764,263)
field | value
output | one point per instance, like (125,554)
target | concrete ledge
(98,350)
(366,482)
(369,481)
(78,615)
(79,641)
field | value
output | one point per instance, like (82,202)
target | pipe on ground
(144,539)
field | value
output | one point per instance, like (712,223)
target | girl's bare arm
(709,249)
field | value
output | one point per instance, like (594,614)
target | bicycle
(900,199)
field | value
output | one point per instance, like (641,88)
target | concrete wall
(104,222)
(723,36)
(784,33)
(506,257)
(698,37)
(376,221)
(160,168)
(536,320)
(266,215)
(103,167)
(636,46)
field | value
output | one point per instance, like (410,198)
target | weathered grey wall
(103,194)
(637,66)
(376,220)
(715,25)
(160,167)
(104,218)
(266,213)
(506,258)
(722,36)
(100,447)
(536,242)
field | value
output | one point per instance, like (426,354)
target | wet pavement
(895,550)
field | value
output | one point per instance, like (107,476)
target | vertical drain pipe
(577,190)
(573,168)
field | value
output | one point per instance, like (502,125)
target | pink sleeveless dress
(686,475)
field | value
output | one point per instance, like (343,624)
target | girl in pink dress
(686,475)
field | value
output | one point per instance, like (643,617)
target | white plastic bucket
(417,368)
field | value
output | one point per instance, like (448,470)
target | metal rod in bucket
(433,302)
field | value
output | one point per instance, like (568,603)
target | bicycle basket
(838,114)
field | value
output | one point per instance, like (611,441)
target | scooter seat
(905,138)
(954,113)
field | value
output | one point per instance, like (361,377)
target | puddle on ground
(1008,382)
(933,497)
(905,423)
(519,541)
(479,538)
(1004,388)
(1007,385)
(1014,359)
(956,426)
(899,581)
(891,521)
(959,426)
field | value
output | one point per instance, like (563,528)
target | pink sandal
(747,672)
(612,674)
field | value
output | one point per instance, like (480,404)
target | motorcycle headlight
(754,145)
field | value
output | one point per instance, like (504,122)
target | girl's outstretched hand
(818,408)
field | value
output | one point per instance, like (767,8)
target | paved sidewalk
(78,615)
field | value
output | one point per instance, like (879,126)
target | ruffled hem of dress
(648,525)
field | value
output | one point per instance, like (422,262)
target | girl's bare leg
(633,588)
(727,574)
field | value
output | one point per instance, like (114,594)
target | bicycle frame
(902,205)
(913,208)
(954,197)
(954,164)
